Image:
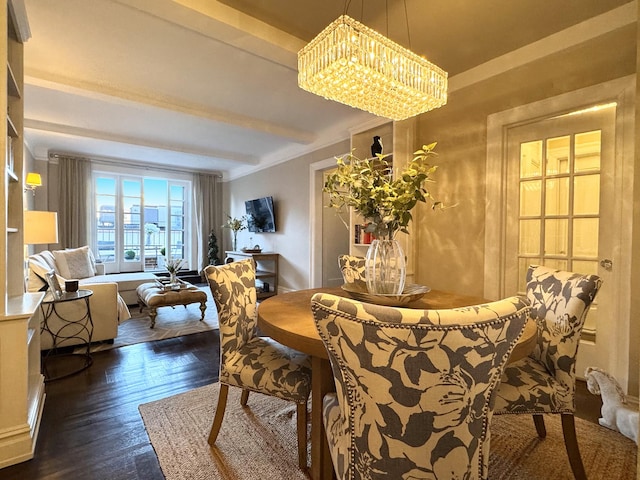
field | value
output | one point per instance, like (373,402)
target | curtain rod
(126,163)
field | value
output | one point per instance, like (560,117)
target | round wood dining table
(287,318)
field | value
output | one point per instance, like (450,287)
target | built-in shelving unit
(266,271)
(398,143)
(361,146)
(21,381)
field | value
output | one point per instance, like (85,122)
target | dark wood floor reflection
(91,427)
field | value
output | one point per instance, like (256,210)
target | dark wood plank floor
(91,427)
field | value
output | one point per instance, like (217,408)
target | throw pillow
(74,262)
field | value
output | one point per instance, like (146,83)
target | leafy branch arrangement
(236,224)
(368,186)
(173,265)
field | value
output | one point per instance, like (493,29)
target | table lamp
(39,228)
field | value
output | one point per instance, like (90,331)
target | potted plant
(129,254)
(385,200)
(213,249)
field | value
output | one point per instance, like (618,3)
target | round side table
(66,329)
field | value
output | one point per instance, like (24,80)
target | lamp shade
(33,180)
(40,227)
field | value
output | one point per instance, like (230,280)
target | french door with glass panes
(139,221)
(559,209)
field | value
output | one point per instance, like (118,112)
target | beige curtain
(207,202)
(74,202)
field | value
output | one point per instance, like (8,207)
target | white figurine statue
(615,414)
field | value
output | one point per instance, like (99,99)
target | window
(140,220)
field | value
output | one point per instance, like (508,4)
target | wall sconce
(33,181)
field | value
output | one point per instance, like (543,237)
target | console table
(266,270)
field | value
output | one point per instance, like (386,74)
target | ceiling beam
(123,139)
(109,93)
(225,24)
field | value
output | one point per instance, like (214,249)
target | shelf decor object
(353,64)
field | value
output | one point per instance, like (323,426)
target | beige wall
(288,184)
(453,240)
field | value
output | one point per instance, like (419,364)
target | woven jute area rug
(170,322)
(259,442)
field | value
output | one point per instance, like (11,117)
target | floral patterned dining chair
(353,270)
(248,361)
(414,388)
(545,381)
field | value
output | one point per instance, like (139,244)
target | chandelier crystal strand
(350,63)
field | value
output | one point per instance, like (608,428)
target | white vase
(173,278)
(385,268)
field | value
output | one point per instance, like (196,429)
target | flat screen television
(261,215)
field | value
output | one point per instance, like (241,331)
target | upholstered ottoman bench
(154,295)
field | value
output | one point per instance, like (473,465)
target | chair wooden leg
(571,443)
(538,421)
(244,397)
(302,434)
(217,419)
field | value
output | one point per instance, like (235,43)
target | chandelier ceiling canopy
(353,64)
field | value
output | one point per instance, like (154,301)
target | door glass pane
(177,213)
(585,267)
(558,150)
(556,263)
(131,189)
(155,219)
(585,237)
(131,225)
(530,237)
(586,195)
(531,159)
(106,218)
(587,152)
(555,236)
(557,196)
(530,198)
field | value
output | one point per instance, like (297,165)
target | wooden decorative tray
(411,293)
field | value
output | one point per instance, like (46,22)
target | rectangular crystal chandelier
(352,64)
